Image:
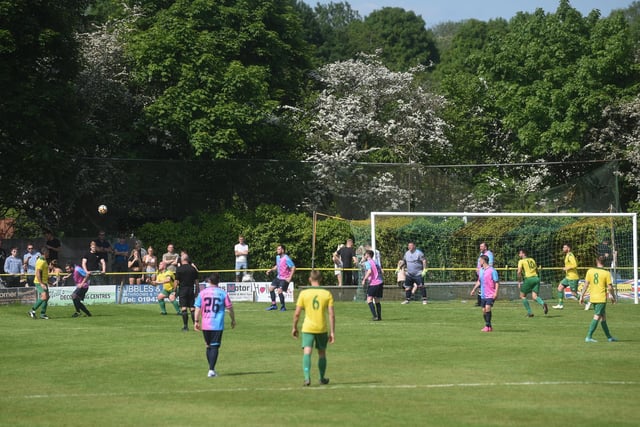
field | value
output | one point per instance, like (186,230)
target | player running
(571,276)
(529,282)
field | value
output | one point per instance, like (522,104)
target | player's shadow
(237,374)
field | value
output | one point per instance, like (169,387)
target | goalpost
(450,241)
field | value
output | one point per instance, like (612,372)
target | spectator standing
(150,262)
(54,273)
(134,266)
(241,251)
(92,262)
(401,273)
(29,262)
(103,249)
(120,259)
(337,264)
(3,258)
(210,307)
(53,244)
(13,266)
(347,255)
(171,258)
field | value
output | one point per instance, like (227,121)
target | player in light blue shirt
(211,304)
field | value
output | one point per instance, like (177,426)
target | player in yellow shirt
(41,280)
(166,278)
(571,276)
(598,283)
(529,282)
(317,304)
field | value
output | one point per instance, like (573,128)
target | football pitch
(421,365)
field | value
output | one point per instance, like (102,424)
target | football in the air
(102,209)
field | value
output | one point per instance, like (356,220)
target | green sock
(322,366)
(38,304)
(605,328)
(539,300)
(306,366)
(561,297)
(163,307)
(592,328)
(525,302)
(176,305)
(43,310)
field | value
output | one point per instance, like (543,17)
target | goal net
(450,242)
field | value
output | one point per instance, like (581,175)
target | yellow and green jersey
(169,285)
(41,264)
(571,265)
(315,301)
(528,267)
(599,280)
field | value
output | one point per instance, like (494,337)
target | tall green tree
(401,37)
(554,73)
(477,132)
(334,21)
(39,109)
(216,73)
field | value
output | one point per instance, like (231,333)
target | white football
(102,209)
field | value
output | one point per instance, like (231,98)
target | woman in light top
(150,262)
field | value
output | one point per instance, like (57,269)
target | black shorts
(280,283)
(375,291)
(79,293)
(212,338)
(187,297)
(411,280)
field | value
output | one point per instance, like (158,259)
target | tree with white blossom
(620,139)
(367,113)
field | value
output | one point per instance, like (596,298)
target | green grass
(422,365)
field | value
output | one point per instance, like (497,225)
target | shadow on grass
(237,374)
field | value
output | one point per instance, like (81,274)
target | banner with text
(262,292)
(61,295)
(139,294)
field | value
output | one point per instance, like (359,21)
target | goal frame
(633,216)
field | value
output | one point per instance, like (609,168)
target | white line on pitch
(331,387)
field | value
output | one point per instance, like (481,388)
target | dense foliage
(210,238)
(97,94)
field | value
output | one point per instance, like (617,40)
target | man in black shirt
(347,255)
(187,280)
(92,262)
(53,244)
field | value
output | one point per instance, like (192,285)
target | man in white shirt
(241,250)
